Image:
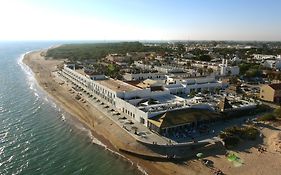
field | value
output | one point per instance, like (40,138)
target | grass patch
(275,115)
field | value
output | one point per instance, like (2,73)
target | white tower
(223,70)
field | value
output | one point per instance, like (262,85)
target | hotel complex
(151,99)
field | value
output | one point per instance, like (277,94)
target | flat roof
(90,73)
(117,85)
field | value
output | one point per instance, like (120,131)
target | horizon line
(131,40)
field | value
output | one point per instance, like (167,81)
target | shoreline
(116,139)
(84,114)
(95,137)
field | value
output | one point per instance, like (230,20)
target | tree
(233,80)
(181,48)
(253,73)
(192,94)
(244,67)
(210,70)
(205,57)
(97,51)
(200,71)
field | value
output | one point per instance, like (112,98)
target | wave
(35,87)
(98,142)
(141,170)
(33,84)
(30,75)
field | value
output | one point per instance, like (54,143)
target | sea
(36,136)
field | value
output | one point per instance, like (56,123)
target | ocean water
(33,137)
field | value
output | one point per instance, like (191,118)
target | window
(142,120)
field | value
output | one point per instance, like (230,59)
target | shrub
(263,108)
(267,117)
(231,141)
(277,112)
(249,133)
(232,135)
(232,130)
(223,135)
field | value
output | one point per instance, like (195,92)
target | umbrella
(199,155)
(237,162)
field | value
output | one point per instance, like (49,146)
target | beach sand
(114,137)
(255,162)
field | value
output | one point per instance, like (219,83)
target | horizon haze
(236,20)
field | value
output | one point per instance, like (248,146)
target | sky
(140,20)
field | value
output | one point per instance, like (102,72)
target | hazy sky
(140,20)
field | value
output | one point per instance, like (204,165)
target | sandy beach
(115,138)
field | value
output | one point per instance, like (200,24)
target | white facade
(263,57)
(132,101)
(163,69)
(143,66)
(273,64)
(204,64)
(97,77)
(144,76)
(168,69)
(123,98)
(228,70)
(202,84)
(90,85)
(219,69)
(194,85)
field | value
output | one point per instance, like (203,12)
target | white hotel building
(137,103)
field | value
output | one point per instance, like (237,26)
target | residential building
(273,64)
(144,76)
(271,93)
(261,57)
(202,84)
(225,69)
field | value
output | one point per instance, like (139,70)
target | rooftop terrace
(117,85)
